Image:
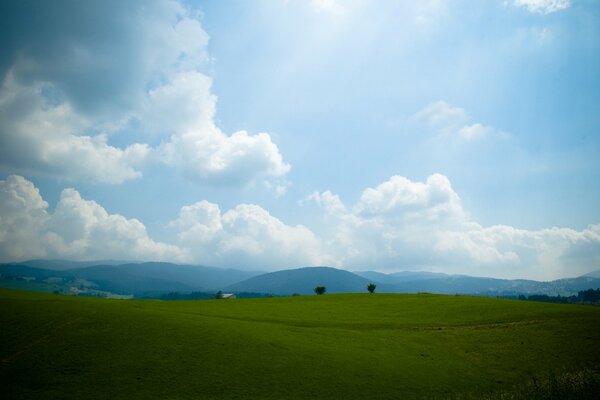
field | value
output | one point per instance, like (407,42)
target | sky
(450,136)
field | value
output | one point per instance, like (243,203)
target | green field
(332,346)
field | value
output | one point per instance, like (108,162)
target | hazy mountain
(414,282)
(303,281)
(138,278)
(19,270)
(593,274)
(61,265)
(398,277)
(157,277)
(195,277)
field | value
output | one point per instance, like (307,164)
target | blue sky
(453,136)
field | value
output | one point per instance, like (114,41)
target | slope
(303,281)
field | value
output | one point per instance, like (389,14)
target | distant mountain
(414,282)
(138,279)
(19,270)
(593,274)
(303,281)
(398,277)
(192,277)
(61,265)
(156,278)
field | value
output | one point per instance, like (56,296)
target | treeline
(201,296)
(590,296)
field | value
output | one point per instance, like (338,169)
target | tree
(320,289)
(219,295)
(371,287)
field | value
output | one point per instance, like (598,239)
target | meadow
(351,346)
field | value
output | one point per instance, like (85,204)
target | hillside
(317,347)
(159,276)
(303,281)
(138,279)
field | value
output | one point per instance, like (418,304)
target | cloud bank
(78,229)
(406,225)
(397,225)
(89,78)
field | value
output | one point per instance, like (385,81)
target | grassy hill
(303,281)
(333,346)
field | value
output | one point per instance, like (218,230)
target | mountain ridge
(149,278)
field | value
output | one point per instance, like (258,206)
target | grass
(332,346)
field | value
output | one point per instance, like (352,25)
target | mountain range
(155,278)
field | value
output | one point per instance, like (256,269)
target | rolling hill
(303,281)
(350,346)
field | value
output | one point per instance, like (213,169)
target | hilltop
(303,281)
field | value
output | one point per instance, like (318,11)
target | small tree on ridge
(320,289)
(371,287)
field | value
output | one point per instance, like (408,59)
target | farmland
(333,346)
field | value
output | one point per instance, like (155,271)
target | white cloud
(401,224)
(246,236)
(451,121)
(185,108)
(61,109)
(23,214)
(44,137)
(543,6)
(329,201)
(77,229)
(401,199)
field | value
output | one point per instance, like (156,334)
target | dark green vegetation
(371,287)
(320,290)
(590,296)
(333,346)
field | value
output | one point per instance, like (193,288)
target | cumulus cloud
(99,73)
(40,136)
(397,225)
(401,224)
(454,121)
(185,108)
(330,202)
(543,6)
(77,229)
(246,236)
